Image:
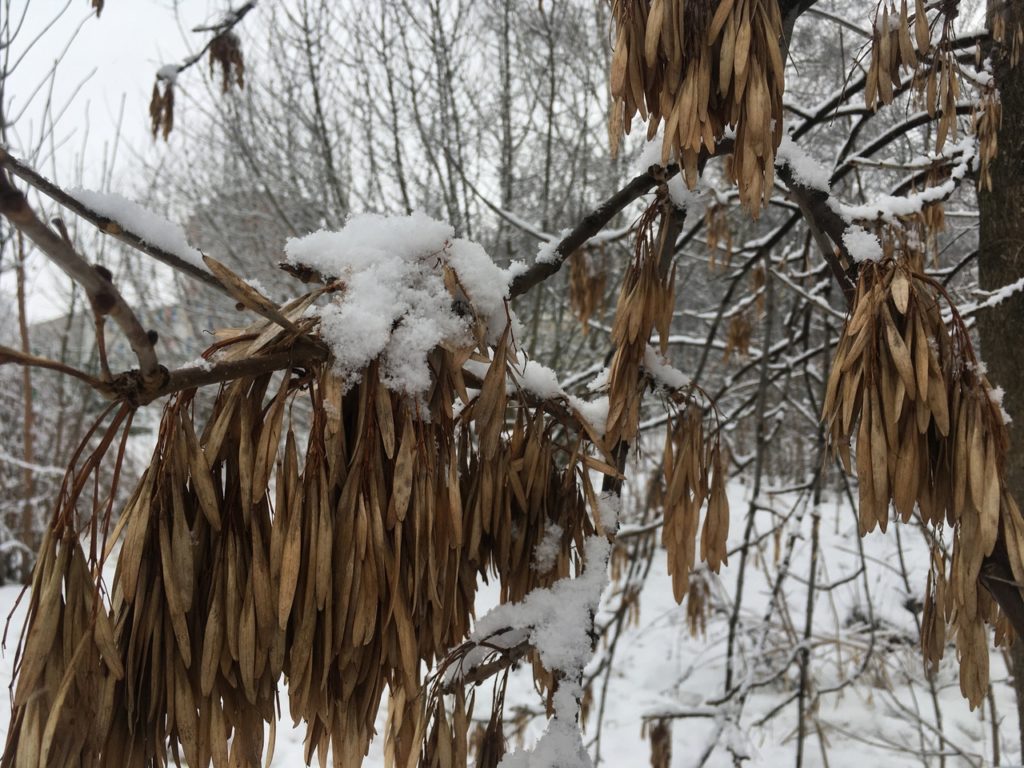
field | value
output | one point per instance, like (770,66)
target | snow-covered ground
(885,717)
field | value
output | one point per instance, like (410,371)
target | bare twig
(104,224)
(101,291)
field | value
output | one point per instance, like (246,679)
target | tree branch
(103,295)
(823,221)
(106,225)
(591,224)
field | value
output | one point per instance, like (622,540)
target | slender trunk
(312,44)
(28,521)
(506,233)
(1000,262)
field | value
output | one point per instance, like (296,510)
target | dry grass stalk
(700,67)
(930,436)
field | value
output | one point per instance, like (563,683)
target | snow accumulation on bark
(150,227)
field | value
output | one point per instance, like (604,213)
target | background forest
(803,622)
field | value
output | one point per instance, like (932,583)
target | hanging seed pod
(985,122)
(930,437)
(646,302)
(688,463)
(738,336)
(69,664)
(719,235)
(660,734)
(161,110)
(338,545)
(226,53)
(699,68)
(587,284)
(895,48)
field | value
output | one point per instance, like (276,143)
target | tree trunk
(1001,262)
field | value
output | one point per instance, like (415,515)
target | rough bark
(1000,262)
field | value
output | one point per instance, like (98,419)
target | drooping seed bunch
(693,468)
(933,66)
(324,531)
(738,336)
(698,604)
(1007,30)
(447,744)
(930,437)
(646,303)
(892,49)
(718,235)
(701,67)
(525,495)
(68,661)
(587,282)
(68,664)
(161,109)
(660,733)
(694,472)
(985,122)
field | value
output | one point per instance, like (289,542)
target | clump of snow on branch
(545,554)
(862,245)
(678,192)
(151,227)
(542,382)
(395,304)
(168,73)
(547,251)
(485,283)
(609,507)
(806,170)
(663,373)
(996,395)
(536,378)
(558,622)
(561,745)
(595,411)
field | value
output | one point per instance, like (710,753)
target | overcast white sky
(104,62)
(116,55)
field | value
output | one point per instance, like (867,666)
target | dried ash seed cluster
(700,68)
